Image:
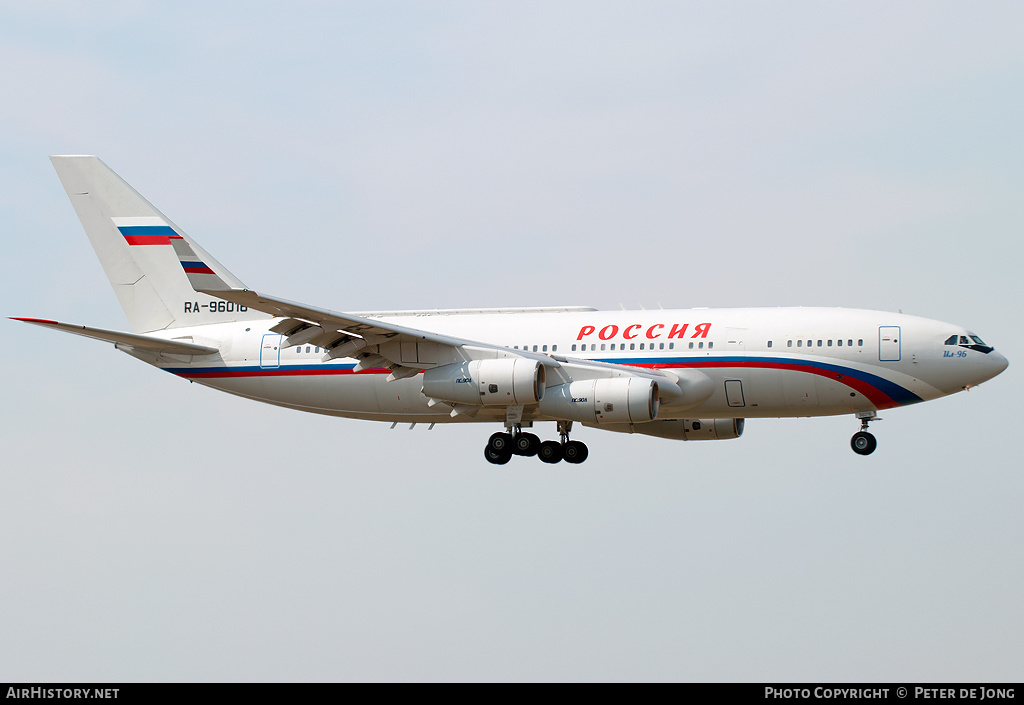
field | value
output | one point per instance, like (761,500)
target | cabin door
(270,351)
(889,343)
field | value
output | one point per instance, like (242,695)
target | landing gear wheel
(863,443)
(575,452)
(550,451)
(496,457)
(525,444)
(500,443)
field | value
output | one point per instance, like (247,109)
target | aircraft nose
(991,365)
(999,362)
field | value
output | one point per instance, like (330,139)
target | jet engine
(606,400)
(487,382)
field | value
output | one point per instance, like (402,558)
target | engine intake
(487,382)
(602,401)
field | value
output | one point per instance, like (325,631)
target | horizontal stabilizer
(139,342)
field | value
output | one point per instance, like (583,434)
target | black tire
(500,442)
(495,457)
(526,444)
(575,452)
(550,451)
(863,443)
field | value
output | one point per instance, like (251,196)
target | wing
(406,351)
(371,341)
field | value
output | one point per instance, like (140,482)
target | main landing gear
(863,443)
(502,446)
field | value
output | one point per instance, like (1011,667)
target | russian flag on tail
(200,275)
(145,230)
(196,268)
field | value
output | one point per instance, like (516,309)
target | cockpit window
(971,342)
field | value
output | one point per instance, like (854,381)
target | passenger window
(574,347)
(593,347)
(316,350)
(307,348)
(545,348)
(860,341)
(789,343)
(711,345)
(769,343)
(691,346)
(799,343)
(632,346)
(819,343)
(700,345)
(671,346)
(839,342)
(661,346)
(602,346)
(830,343)
(850,342)
(554,348)
(641,346)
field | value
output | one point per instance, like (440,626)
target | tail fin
(133,242)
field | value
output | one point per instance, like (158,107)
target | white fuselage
(763,362)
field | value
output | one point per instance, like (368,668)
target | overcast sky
(365,156)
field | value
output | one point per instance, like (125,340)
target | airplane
(691,374)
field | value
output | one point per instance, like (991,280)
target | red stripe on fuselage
(877,397)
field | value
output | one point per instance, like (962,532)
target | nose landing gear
(864,443)
(502,446)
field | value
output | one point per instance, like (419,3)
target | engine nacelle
(601,401)
(685,429)
(501,382)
